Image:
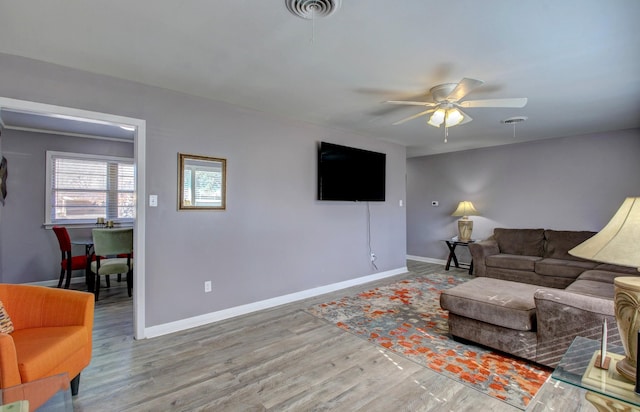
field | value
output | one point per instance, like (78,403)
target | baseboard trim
(180,325)
(54,283)
(426,259)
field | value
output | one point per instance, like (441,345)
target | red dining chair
(68,263)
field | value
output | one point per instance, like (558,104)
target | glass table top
(51,394)
(577,368)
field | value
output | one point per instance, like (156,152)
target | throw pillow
(524,242)
(559,242)
(6,326)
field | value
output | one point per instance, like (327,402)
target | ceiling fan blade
(406,119)
(466,119)
(515,102)
(464,87)
(411,103)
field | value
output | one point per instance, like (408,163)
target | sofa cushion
(592,288)
(520,241)
(495,301)
(563,268)
(42,350)
(599,275)
(516,342)
(606,267)
(559,242)
(517,262)
(596,283)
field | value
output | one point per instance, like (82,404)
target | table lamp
(465,225)
(618,243)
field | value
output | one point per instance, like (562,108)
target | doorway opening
(57,120)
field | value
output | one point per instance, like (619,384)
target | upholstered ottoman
(494,312)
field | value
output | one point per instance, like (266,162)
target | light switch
(153,200)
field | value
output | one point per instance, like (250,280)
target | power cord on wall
(372,255)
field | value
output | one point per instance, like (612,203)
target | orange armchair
(53,334)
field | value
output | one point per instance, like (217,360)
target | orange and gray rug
(405,317)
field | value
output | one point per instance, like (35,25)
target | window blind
(85,187)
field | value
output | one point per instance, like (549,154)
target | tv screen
(347,173)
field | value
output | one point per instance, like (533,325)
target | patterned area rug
(406,318)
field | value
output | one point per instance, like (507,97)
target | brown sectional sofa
(530,297)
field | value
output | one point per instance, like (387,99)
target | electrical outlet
(373,257)
(207,286)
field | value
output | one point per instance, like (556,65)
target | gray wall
(29,252)
(273,239)
(572,183)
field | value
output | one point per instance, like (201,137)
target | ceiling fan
(446,103)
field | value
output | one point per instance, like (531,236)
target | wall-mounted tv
(347,173)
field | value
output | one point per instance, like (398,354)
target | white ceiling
(53,123)
(578,62)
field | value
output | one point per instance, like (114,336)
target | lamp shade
(454,117)
(437,118)
(618,242)
(449,116)
(465,208)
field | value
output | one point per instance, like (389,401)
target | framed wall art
(3,179)
(202,182)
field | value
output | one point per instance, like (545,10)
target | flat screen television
(347,173)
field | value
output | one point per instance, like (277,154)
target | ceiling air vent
(311,9)
(514,120)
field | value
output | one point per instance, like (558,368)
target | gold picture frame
(3,179)
(202,182)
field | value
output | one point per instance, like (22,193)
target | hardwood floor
(281,359)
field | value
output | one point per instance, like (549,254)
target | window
(82,188)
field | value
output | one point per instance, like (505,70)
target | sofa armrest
(480,250)
(562,315)
(9,372)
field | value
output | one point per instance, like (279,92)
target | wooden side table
(452,244)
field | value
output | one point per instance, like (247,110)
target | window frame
(50,155)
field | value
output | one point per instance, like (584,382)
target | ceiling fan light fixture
(450,117)
(447,104)
(437,118)
(453,117)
